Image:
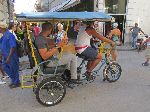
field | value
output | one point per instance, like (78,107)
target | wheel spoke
(51,92)
(113,72)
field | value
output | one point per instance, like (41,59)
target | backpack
(20,48)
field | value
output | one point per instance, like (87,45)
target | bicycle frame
(104,61)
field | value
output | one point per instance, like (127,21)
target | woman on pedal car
(83,47)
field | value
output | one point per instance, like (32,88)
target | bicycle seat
(82,56)
(51,70)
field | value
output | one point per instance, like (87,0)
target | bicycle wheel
(50,92)
(112,72)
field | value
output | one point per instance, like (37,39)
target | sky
(24,6)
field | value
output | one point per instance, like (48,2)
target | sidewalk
(125,48)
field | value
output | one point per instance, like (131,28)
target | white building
(126,12)
(6,9)
(3,10)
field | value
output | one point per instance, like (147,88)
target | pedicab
(49,83)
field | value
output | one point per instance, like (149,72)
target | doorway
(120,19)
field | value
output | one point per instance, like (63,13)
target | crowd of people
(85,32)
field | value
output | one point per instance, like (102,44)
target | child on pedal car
(147,54)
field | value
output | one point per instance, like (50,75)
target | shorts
(147,54)
(90,53)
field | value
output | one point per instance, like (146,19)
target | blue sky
(24,6)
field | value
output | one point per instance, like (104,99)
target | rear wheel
(112,72)
(50,92)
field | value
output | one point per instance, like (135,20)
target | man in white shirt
(83,47)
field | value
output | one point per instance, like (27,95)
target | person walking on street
(10,57)
(1,69)
(114,35)
(135,30)
(12,28)
(147,55)
(36,30)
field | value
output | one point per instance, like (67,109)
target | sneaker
(2,82)
(145,64)
(75,81)
(14,85)
(88,76)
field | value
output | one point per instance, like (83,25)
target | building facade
(6,10)
(125,12)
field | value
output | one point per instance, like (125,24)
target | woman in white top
(84,48)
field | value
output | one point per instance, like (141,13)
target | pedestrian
(36,30)
(12,28)
(20,49)
(10,58)
(1,69)
(135,31)
(147,54)
(61,34)
(114,35)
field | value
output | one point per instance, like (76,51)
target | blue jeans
(12,69)
(134,39)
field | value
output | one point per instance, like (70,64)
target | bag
(20,48)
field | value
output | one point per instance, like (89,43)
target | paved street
(130,94)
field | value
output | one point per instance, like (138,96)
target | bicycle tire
(108,69)
(50,81)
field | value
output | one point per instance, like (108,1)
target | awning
(84,16)
(65,5)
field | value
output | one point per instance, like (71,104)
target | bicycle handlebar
(103,49)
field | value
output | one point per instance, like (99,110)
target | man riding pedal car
(84,48)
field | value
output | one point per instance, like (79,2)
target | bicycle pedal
(104,79)
(69,86)
(91,81)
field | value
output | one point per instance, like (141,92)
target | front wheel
(112,72)
(50,92)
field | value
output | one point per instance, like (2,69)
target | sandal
(145,64)
(88,76)
(5,77)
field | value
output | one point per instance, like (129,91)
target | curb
(126,49)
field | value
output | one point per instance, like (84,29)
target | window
(115,6)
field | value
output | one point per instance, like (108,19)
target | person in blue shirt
(10,58)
